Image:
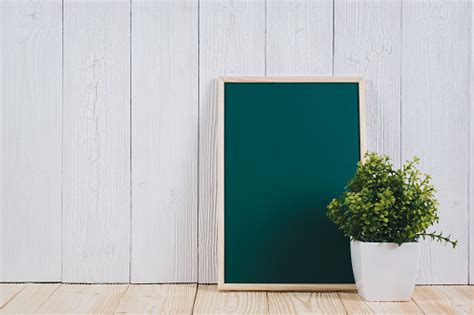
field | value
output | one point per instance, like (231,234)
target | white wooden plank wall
(435,122)
(107,135)
(299,38)
(232,42)
(367,42)
(164,141)
(471,150)
(30,94)
(96,141)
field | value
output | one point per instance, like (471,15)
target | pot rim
(385,243)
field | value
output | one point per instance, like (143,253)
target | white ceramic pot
(385,271)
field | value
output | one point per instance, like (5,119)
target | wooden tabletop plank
(158,299)
(445,300)
(8,292)
(354,304)
(30,298)
(304,303)
(180,299)
(211,301)
(467,290)
(84,298)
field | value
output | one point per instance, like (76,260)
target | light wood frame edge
(219,87)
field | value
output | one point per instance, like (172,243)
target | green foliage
(383,204)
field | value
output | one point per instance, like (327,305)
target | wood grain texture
(367,42)
(96,157)
(158,299)
(30,299)
(232,42)
(435,124)
(428,64)
(211,301)
(467,290)
(445,300)
(354,304)
(8,292)
(164,141)
(182,298)
(30,141)
(305,303)
(82,299)
(471,153)
(299,37)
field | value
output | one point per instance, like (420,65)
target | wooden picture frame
(222,285)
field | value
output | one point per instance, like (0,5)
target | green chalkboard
(289,147)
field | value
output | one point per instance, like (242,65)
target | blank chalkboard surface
(286,147)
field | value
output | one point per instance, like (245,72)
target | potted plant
(385,212)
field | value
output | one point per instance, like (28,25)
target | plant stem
(439,237)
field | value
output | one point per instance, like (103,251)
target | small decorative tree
(383,204)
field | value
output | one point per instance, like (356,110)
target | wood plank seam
(343,304)
(418,305)
(11,299)
(333,43)
(123,295)
(50,295)
(470,144)
(266,293)
(30,298)
(195,296)
(130,86)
